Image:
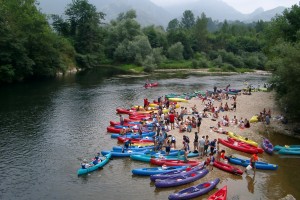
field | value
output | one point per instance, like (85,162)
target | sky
(244,6)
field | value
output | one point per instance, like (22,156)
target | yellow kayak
(155,105)
(243,139)
(178,99)
(144,144)
(253,119)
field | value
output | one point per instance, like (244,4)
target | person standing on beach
(196,143)
(201,147)
(206,144)
(253,160)
(215,89)
(199,123)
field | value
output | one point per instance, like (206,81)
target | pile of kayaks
(288,149)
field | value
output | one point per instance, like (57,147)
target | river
(48,127)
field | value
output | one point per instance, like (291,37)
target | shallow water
(48,127)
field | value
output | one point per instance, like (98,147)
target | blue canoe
(146,158)
(155,170)
(134,135)
(94,167)
(195,191)
(184,178)
(267,146)
(134,148)
(259,165)
(289,151)
(278,147)
(126,153)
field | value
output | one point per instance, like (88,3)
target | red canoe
(135,140)
(259,150)
(112,129)
(228,168)
(237,146)
(151,85)
(166,162)
(221,194)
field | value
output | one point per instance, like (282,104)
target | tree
(200,34)
(175,52)
(174,24)
(188,19)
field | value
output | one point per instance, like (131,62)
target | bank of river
(47,128)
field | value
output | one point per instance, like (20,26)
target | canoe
(195,191)
(228,168)
(149,85)
(278,147)
(259,165)
(267,146)
(176,173)
(241,138)
(126,153)
(155,170)
(289,151)
(134,148)
(94,167)
(147,158)
(134,135)
(184,178)
(178,100)
(123,111)
(135,140)
(259,150)
(238,146)
(221,194)
(160,162)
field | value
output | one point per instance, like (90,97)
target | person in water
(84,164)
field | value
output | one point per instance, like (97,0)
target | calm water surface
(48,127)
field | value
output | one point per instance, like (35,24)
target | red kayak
(240,147)
(228,168)
(147,85)
(112,129)
(259,150)
(135,140)
(124,111)
(166,162)
(221,194)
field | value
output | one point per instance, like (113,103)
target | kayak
(289,151)
(160,162)
(249,146)
(238,146)
(221,194)
(134,148)
(253,119)
(94,167)
(147,158)
(135,140)
(147,85)
(184,178)
(228,168)
(124,111)
(126,153)
(267,146)
(134,135)
(259,165)
(155,170)
(241,138)
(176,173)
(178,100)
(278,147)
(195,191)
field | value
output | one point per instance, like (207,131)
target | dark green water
(48,127)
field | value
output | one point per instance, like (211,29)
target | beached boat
(267,146)
(184,178)
(240,146)
(289,151)
(136,140)
(178,100)
(160,162)
(259,165)
(125,153)
(195,191)
(241,138)
(155,170)
(278,147)
(228,168)
(147,158)
(135,148)
(93,167)
(175,173)
(221,194)
(134,135)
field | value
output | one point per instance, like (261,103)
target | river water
(48,127)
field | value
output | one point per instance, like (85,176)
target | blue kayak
(278,147)
(126,153)
(289,151)
(259,165)
(146,158)
(134,148)
(134,135)
(156,170)
(94,167)
(267,146)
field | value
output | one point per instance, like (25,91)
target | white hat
(84,160)
(124,128)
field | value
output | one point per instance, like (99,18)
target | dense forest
(32,47)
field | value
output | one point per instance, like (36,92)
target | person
(140,130)
(253,160)
(201,147)
(121,120)
(172,120)
(84,164)
(210,161)
(223,155)
(213,146)
(196,143)
(173,141)
(199,123)
(206,144)
(123,131)
(215,89)
(168,147)
(267,119)
(96,159)
(186,150)
(247,123)
(126,145)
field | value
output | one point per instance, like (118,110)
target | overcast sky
(244,6)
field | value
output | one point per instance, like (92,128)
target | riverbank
(247,106)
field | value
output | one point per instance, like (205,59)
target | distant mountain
(148,13)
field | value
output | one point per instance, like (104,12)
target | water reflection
(251,182)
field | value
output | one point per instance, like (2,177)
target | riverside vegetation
(31,47)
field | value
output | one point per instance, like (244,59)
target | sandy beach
(247,106)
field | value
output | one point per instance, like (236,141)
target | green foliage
(149,64)
(187,20)
(175,52)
